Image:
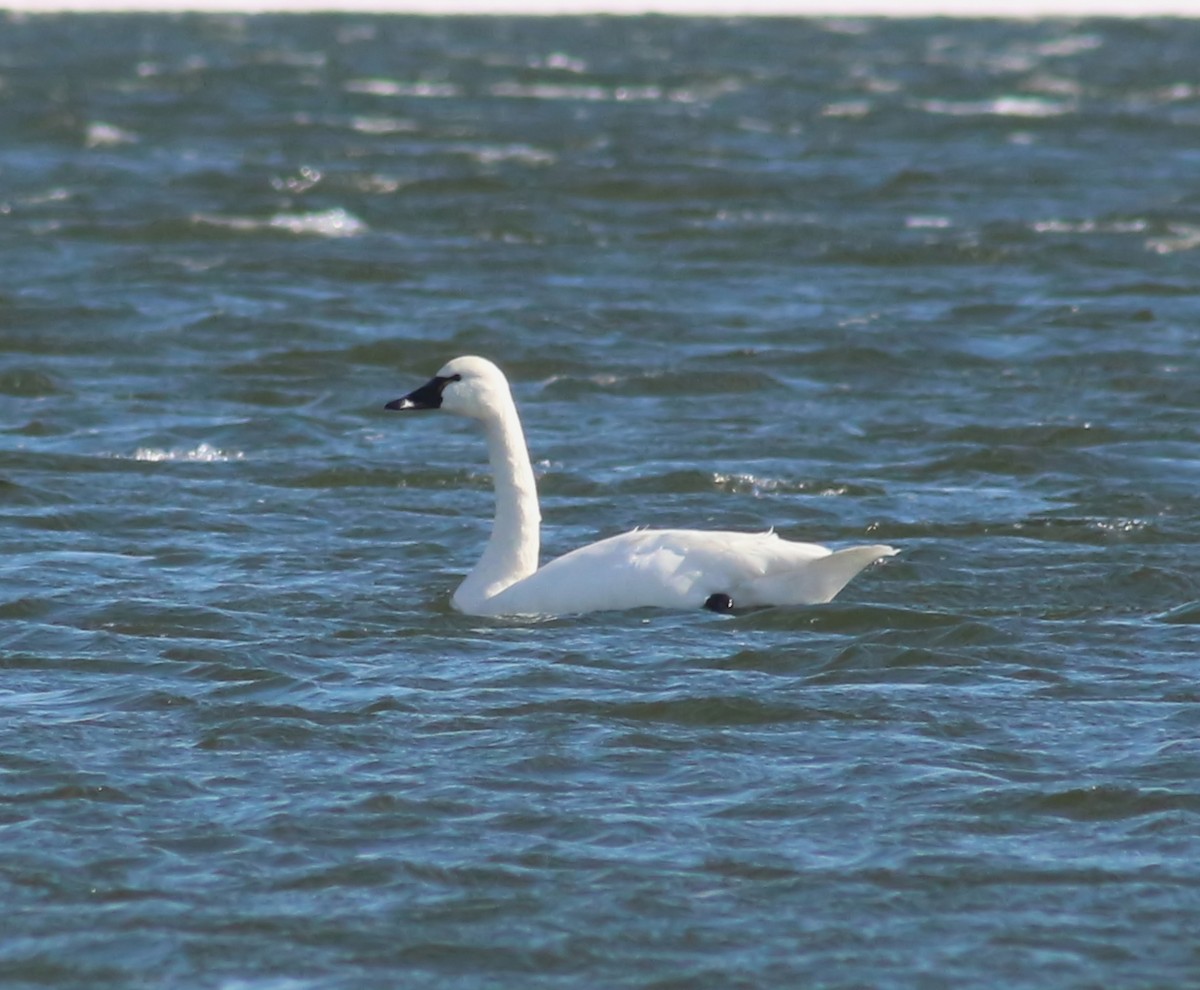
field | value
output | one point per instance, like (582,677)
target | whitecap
(324,223)
(551,91)
(204,453)
(393,87)
(1090,226)
(1182,237)
(101,135)
(1072,44)
(851,109)
(382,125)
(927,223)
(560,62)
(1001,106)
(493,154)
(750,484)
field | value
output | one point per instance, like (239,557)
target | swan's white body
(662,568)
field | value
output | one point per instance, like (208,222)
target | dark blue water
(928,283)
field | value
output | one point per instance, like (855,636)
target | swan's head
(469,386)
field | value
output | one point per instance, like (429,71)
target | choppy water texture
(926,283)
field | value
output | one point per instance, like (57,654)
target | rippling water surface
(926,283)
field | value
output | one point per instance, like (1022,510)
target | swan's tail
(818,581)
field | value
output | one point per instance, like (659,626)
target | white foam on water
(204,453)
(322,223)
(102,135)
(1003,106)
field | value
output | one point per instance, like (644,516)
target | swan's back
(685,568)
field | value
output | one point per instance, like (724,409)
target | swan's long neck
(512,550)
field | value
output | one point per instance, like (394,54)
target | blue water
(928,283)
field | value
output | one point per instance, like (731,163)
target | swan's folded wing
(811,581)
(672,568)
(764,569)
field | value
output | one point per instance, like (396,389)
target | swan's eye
(440,382)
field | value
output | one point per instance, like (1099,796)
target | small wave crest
(204,453)
(743,483)
(322,223)
(1001,106)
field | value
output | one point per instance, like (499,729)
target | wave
(204,453)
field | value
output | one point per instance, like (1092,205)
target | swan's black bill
(428,396)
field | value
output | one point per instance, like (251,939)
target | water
(920,282)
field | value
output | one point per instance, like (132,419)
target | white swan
(664,568)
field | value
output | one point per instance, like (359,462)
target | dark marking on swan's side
(428,396)
(719,602)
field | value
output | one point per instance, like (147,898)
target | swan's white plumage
(664,568)
(682,568)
